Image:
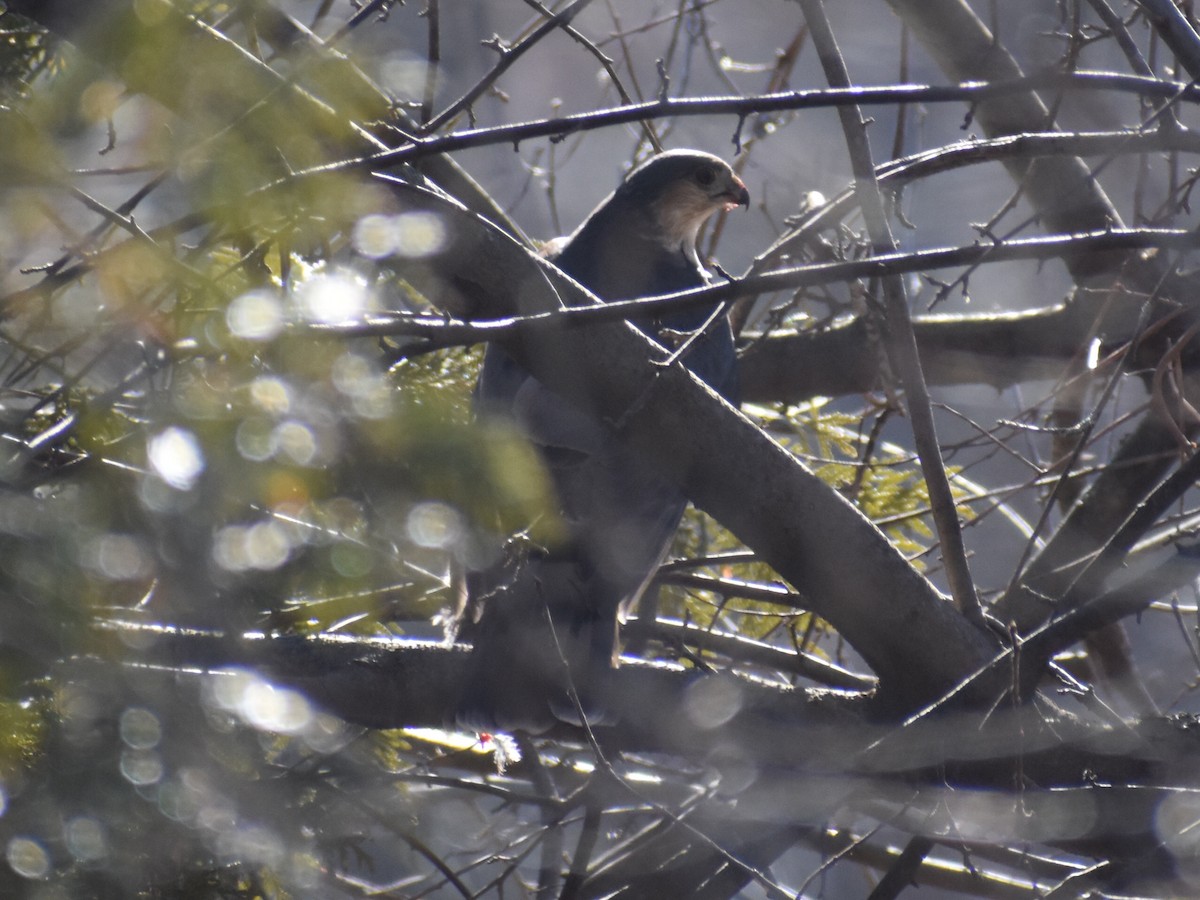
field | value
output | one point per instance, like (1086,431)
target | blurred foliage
(23,727)
(182,447)
(26,50)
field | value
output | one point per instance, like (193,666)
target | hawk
(543,620)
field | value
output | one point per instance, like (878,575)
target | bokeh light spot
(435,525)
(263,546)
(28,858)
(334,298)
(177,801)
(85,839)
(373,236)
(271,708)
(176,456)
(119,557)
(712,702)
(1177,821)
(140,728)
(272,395)
(350,560)
(256,316)
(351,373)
(259,703)
(419,234)
(297,440)
(141,767)
(410,234)
(255,439)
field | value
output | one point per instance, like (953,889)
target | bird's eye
(706,176)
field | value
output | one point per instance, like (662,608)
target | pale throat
(678,218)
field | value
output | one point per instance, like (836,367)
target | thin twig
(433,58)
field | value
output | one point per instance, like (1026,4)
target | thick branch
(998,350)
(1177,32)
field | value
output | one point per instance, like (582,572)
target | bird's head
(680,189)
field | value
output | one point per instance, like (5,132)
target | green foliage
(699,537)
(889,487)
(445,380)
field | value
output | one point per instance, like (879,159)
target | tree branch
(1177,32)
(969,92)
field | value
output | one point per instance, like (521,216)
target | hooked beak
(737,195)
